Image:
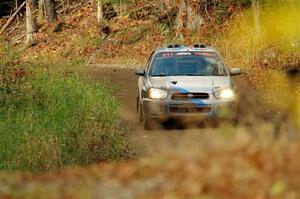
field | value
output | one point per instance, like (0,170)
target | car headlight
(227,93)
(156,93)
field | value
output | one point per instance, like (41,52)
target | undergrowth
(51,120)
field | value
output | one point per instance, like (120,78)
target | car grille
(186,96)
(189,109)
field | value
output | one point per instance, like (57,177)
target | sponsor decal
(205,54)
(167,54)
(183,53)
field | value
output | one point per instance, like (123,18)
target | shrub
(49,120)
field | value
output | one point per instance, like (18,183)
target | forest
(69,122)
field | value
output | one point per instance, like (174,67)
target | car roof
(183,47)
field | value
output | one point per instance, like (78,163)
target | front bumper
(213,109)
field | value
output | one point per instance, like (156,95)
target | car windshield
(187,64)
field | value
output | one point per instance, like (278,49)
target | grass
(264,48)
(50,120)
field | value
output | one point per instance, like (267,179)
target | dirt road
(190,140)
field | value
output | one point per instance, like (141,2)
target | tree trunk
(99,12)
(194,19)
(188,18)
(41,12)
(256,16)
(293,104)
(31,26)
(50,11)
(181,20)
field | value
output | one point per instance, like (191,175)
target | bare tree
(47,11)
(41,12)
(194,19)
(99,11)
(31,26)
(50,11)
(293,107)
(256,16)
(188,17)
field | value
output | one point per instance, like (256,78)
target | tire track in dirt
(147,143)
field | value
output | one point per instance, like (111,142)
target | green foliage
(49,120)
(221,10)
(87,41)
(277,188)
(132,34)
(278,2)
(8,55)
(117,2)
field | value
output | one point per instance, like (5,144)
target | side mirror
(140,72)
(235,71)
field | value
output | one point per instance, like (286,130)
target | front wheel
(151,124)
(148,123)
(137,103)
(141,114)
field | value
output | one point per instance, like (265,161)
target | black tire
(151,124)
(147,124)
(137,103)
(228,122)
(141,114)
(235,122)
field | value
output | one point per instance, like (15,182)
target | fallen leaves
(257,171)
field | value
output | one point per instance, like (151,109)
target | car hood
(191,83)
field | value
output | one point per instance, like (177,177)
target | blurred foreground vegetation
(239,168)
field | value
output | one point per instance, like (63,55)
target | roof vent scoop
(173,46)
(199,46)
